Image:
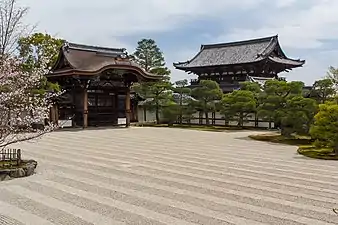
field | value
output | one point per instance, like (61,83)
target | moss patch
(276,138)
(8,164)
(305,145)
(313,152)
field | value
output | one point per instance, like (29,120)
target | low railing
(10,157)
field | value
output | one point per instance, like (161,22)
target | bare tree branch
(11,26)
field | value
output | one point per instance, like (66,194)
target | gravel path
(168,176)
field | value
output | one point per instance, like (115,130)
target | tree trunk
(145,114)
(206,118)
(335,149)
(285,133)
(157,112)
(240,121)
(181,110)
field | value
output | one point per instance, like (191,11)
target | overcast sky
(307,29)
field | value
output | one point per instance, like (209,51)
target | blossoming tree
(22,107)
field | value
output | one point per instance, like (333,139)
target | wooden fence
(10,157)
(215,119)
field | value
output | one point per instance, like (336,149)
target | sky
(307,29)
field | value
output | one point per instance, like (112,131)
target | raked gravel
(168,176)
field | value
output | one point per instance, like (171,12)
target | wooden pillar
(73,108)
(85,108)
(56,114)
(116,108)
(128,107)
(52,114)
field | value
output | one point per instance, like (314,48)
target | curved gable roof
(239,52)
(85,59)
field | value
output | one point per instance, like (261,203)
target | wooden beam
(85,107)
(56,114)
(128,107)
(52,114)
(116,107)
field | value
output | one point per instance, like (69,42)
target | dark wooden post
(52,114)
(85,107)
(56,114)
(18,156)
(116,108)
(128,106)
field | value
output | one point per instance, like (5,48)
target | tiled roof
(291,62)
(240,52)
(95,48)
(92,59)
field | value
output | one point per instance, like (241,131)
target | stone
(27,168)
(6,178)
(30,167)
(3,176)
(16,173)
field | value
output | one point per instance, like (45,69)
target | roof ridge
(236,43)
(269,48)
(92,48)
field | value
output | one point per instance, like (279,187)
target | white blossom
(20,107)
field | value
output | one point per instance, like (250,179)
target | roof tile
(240,52)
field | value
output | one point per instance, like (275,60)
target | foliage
(297,116)
(256,89)
(323,90)
(11,26)
(171,112)
(317,153)
(252,87)
(34,50)
(20,107)
(332,74)
(206,95)
(149,56)
(162,71)
(182,91)
(274,99)
(238,105)
(157,95)
(325,127)
(38,46)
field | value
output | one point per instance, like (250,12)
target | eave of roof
(92,60)
(290,62)
(69,72)
(238,53)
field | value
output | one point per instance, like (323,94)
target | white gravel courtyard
(168,176)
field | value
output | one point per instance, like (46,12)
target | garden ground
(169,176)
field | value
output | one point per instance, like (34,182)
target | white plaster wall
(149,118)
(194,121)
(220,122)
(249,124)
(265,124)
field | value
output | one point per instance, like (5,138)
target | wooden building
(231,63)
(97,83)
